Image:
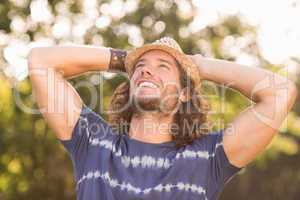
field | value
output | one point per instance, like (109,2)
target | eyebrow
(160,59)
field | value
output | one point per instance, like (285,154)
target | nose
(146,71)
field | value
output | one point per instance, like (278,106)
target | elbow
(287,95)
(292,93)
(34,58)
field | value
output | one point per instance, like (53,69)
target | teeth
(147,84)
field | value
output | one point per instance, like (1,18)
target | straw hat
(169,45)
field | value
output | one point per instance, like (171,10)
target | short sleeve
(221,169)
(89,126)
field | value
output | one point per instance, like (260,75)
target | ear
(184,95)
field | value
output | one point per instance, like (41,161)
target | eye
(164,66)
(139,65)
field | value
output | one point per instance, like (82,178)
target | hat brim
(186,62)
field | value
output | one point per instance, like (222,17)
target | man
(152,158)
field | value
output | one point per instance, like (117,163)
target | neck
(151,127)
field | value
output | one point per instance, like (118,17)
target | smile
(147,84)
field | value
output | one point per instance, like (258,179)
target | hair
(191,119)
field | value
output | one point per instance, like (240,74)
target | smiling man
(157,143)
(156,87)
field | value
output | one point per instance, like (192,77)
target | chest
(145,176)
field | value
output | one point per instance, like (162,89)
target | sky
(277,22)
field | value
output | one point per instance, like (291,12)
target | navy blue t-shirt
(110,166)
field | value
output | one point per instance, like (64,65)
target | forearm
(71,60)
(256,83)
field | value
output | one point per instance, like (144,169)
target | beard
(145,104)
(154,103)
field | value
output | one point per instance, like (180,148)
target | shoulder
(210,141)
(92,120)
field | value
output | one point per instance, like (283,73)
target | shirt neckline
(139,142)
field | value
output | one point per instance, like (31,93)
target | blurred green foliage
(33,165)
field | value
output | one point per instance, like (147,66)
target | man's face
(155,83)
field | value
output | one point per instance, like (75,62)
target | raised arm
(58,101)
(253,129)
